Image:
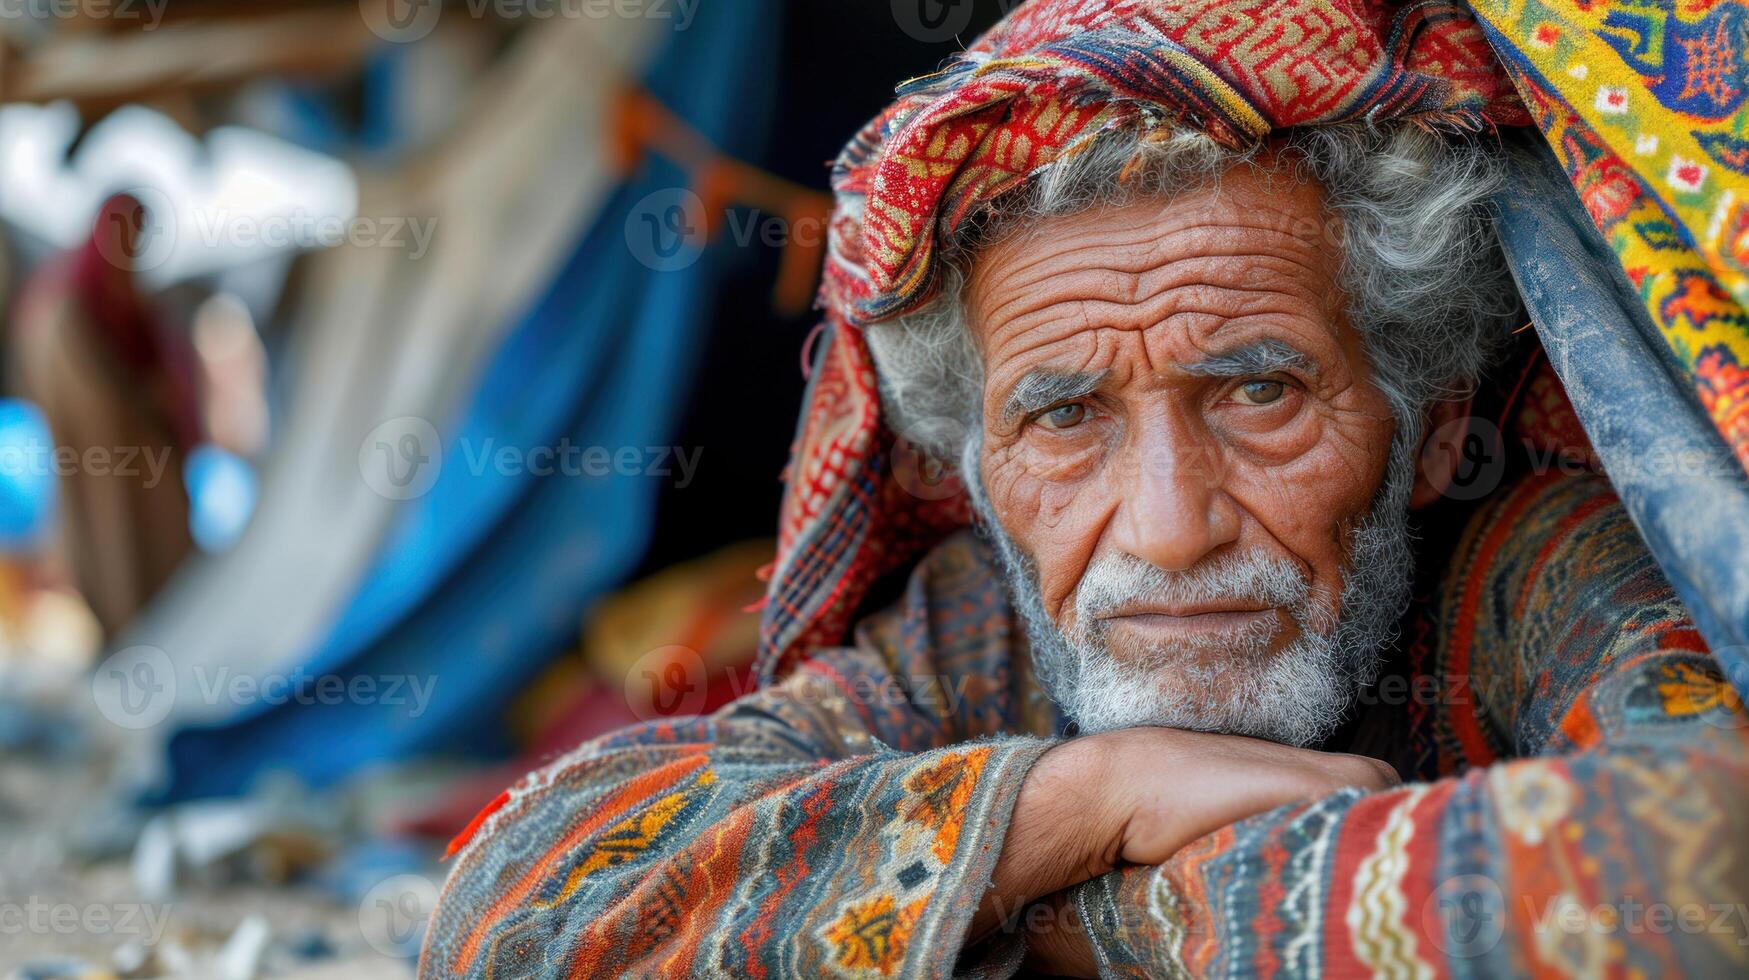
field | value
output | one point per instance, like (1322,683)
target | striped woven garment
(1642,102)
(1578,755)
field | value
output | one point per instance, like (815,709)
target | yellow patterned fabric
(1646,103)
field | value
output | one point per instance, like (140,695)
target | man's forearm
(1062,832)
(1495,873)
(1135,796)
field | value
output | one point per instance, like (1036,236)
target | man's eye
(1064,416)
(1258,392)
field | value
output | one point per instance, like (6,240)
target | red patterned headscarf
(1036,89)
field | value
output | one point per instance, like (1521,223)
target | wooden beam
(99,71)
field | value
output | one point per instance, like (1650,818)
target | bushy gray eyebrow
(1042,388)
(1262,357)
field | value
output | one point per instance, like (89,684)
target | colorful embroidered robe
(1577,760)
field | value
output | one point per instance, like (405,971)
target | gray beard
(1297,696)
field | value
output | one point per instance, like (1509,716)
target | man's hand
(1136,796)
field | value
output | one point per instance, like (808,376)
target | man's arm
(778,834)
(844,819)
(1619,847)
(848,821)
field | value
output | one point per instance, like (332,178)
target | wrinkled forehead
(1271,190)
(1255,244)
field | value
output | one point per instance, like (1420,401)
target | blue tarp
(484,578)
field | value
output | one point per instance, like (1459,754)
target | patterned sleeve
(1615,845)
(843,822)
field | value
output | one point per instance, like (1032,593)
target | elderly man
(1184,319)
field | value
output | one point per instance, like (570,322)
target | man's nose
(1174,509)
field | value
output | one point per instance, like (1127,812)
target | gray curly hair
(1427,284)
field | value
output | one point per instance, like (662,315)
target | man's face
(1181,434)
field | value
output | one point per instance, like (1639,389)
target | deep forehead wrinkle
(1132,266)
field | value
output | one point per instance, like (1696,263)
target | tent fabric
(484,577)
(381,337)
(1678,479)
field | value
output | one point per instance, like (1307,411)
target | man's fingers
(1174,786)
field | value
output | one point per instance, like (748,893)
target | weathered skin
(1165,465)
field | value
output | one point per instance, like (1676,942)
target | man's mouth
(1185,610)
(1195,625)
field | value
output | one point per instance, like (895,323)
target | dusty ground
(234,891)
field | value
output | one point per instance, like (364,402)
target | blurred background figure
(396,394)
(110,375)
